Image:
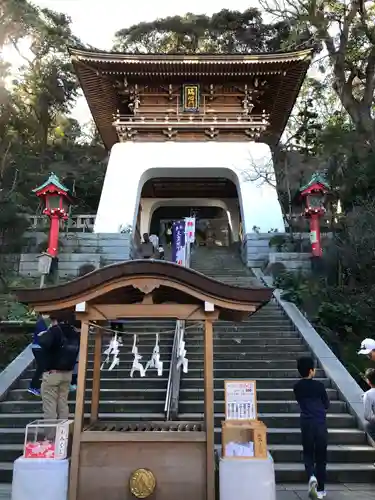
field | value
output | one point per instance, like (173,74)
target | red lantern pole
(56,200)
(316,246)
(53,240)
(313,194)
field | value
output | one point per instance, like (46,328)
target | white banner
(189,229)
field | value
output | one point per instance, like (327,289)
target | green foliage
(11,346)
(278,241)
(226,31)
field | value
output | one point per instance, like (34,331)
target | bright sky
(96,22)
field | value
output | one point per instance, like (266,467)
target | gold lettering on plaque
(142,483)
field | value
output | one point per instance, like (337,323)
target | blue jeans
(314,443)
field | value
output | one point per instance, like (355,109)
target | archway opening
(214,201)
(212,223)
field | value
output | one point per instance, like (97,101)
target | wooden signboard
(240,400)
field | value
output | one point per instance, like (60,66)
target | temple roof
(97,73)
(118,284)
(55,181)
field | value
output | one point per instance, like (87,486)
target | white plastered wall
(131,164)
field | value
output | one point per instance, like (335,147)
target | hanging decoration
(155,359)
(112,350)
(137,366)
(181,357)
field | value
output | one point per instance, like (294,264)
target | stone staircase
(121,397)
(265,348)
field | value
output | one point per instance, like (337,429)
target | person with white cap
(368,348)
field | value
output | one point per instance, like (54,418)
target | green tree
(345,29)
(226,31)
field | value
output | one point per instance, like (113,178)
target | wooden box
(245,431)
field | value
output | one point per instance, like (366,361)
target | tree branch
(370,79)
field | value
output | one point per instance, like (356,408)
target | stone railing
(81,223)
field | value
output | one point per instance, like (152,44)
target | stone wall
(256,252)
(76,250)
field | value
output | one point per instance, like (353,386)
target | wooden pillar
(96,377)
(209,409)
(79,411)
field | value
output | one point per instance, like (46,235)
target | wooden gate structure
(106,458)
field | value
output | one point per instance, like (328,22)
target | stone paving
(334,491)
(288,492)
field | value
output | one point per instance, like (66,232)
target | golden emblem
(142,483)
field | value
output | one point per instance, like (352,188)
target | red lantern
(56,199)
(314,194)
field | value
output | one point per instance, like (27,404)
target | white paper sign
(240,400)
(189,229)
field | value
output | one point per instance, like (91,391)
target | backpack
(67,353)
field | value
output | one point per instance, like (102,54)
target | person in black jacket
(60,344)
(313,402)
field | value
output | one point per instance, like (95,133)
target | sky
(96,21)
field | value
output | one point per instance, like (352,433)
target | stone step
(262,394)
(281,420)
(349,472)
(20,420)
(271,420)
(105,394)
(292,436)
(16,435)
(112,381)
(280,453)
(157,405)
(133,405)
(225,373)
(185,394)
(279,383)
(259,367)
(118,382)
(194,406)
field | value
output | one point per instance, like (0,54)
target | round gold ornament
(142,483)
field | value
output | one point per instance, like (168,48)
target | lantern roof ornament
(52,181)
(318,182)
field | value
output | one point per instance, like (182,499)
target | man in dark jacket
(60,344)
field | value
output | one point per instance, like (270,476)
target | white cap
(367,346)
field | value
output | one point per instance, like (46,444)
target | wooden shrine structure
(105,458)
(195,97)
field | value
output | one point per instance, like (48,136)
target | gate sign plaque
(190,98)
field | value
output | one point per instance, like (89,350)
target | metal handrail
(173,387)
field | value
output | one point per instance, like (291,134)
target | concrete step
(350,472)
(114,381)
(279,383)
(121,406)
(292,436)
(119,382)
(105,394)
(272,420)
(20,420)
(196,406)
(185,395)
(16,435)
(281,420)
(262,394)
(360,454)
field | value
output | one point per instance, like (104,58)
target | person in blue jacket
(41,326)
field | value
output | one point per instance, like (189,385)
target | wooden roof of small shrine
(98,71)
(129,282)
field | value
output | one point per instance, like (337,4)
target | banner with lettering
(178,242)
